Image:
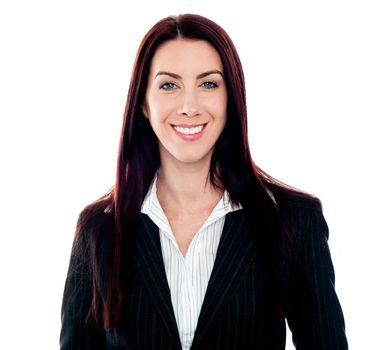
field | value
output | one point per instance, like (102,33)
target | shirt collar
(151,206)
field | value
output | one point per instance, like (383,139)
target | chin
(184,155)
(190,158)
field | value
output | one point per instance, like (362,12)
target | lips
(189,132)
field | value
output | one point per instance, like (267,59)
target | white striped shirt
(188,276)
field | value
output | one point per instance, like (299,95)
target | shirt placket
(187,304)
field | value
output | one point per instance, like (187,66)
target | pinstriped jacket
(231,316)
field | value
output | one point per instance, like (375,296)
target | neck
(186,185)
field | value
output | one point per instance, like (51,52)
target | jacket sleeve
(78,331)
(314,313)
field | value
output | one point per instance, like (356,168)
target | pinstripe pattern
(231,316)
(188,276)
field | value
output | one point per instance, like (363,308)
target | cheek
(218,108)
(160,109)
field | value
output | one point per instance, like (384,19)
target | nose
(189,105)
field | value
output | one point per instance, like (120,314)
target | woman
(195,247)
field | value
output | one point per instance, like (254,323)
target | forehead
(184,55)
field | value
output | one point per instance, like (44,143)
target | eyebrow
(200,76)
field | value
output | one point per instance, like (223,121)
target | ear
(144,110)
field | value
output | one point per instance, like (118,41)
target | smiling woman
(196,247)
(186,104)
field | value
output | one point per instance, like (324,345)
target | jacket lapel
(150,267)
(235,254)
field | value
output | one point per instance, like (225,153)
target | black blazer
(231,316)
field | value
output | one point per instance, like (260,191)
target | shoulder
(93,222)
(300,211)
(288,198)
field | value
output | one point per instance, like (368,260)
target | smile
(189,131)
(192,133)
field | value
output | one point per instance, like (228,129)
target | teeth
(189,131)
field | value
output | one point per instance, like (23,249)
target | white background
(317,89)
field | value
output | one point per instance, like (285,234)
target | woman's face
(186,100)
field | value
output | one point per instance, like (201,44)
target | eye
(209,85)
(168,86)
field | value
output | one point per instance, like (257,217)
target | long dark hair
(231,168)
